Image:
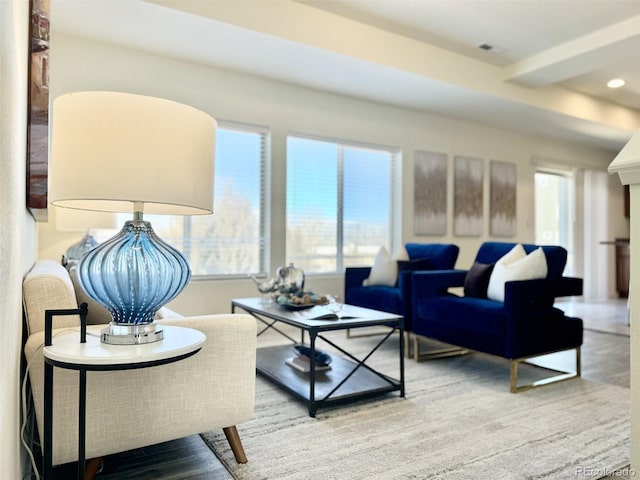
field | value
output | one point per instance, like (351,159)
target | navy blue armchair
(396,299)
(525,325)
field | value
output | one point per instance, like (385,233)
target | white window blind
(232,241)
(339,203)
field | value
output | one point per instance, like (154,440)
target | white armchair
(134,408)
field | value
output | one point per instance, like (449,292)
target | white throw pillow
(385,269)
(401,255)
(495,288)
(515,254)
(516,267)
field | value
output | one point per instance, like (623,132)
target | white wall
(81,65)
(634,296)
(628,168)
(17,230)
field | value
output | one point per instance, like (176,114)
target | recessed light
(616,83)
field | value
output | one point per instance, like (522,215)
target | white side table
(84,352)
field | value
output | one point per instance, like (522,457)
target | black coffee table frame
(349,378)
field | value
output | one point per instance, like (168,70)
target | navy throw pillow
(413,266)
(476,281)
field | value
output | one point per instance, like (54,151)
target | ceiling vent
(487,47)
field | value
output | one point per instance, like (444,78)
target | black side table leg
(82,421)
(401,361)
(312,373)
(47,453)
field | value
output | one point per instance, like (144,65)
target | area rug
(457,421)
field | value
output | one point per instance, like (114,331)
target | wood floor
(605,359)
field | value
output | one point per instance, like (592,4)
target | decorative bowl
(299,300)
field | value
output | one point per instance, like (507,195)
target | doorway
(555,212)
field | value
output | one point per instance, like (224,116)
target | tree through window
(339,203)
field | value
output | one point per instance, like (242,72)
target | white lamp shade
(72,220)
(110,150)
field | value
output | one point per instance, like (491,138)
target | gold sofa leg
(236,445)
(371,333)
(407,339)
(562,375)
(435,353)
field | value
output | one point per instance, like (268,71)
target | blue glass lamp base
(133,275)
(77,250)
(128,334)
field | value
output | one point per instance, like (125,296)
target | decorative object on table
(430,193)
(502,203)
(303,364)
(68,220)
(302,360)
(320,356)
(119,152)
(300,300)
(266,288)
(334,304)
(468,196)
(290,279)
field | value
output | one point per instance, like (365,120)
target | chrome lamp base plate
(125,334)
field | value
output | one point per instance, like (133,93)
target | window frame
(264,216)
(395,154)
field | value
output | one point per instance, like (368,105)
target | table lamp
(120,152)
(68,220)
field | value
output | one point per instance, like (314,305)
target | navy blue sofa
(396,299)
(525,325)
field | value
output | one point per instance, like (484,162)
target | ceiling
(545,74)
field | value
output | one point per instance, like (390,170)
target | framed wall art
(430,193)
(502,201)
(468,180)
(38,114)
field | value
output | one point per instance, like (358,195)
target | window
(339,203)
(233,240)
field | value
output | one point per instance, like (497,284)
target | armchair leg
(435,353)
(371,332)
(408,345)
(92,467)
(234,442)
(561,375)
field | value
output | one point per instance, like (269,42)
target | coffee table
(349,378)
